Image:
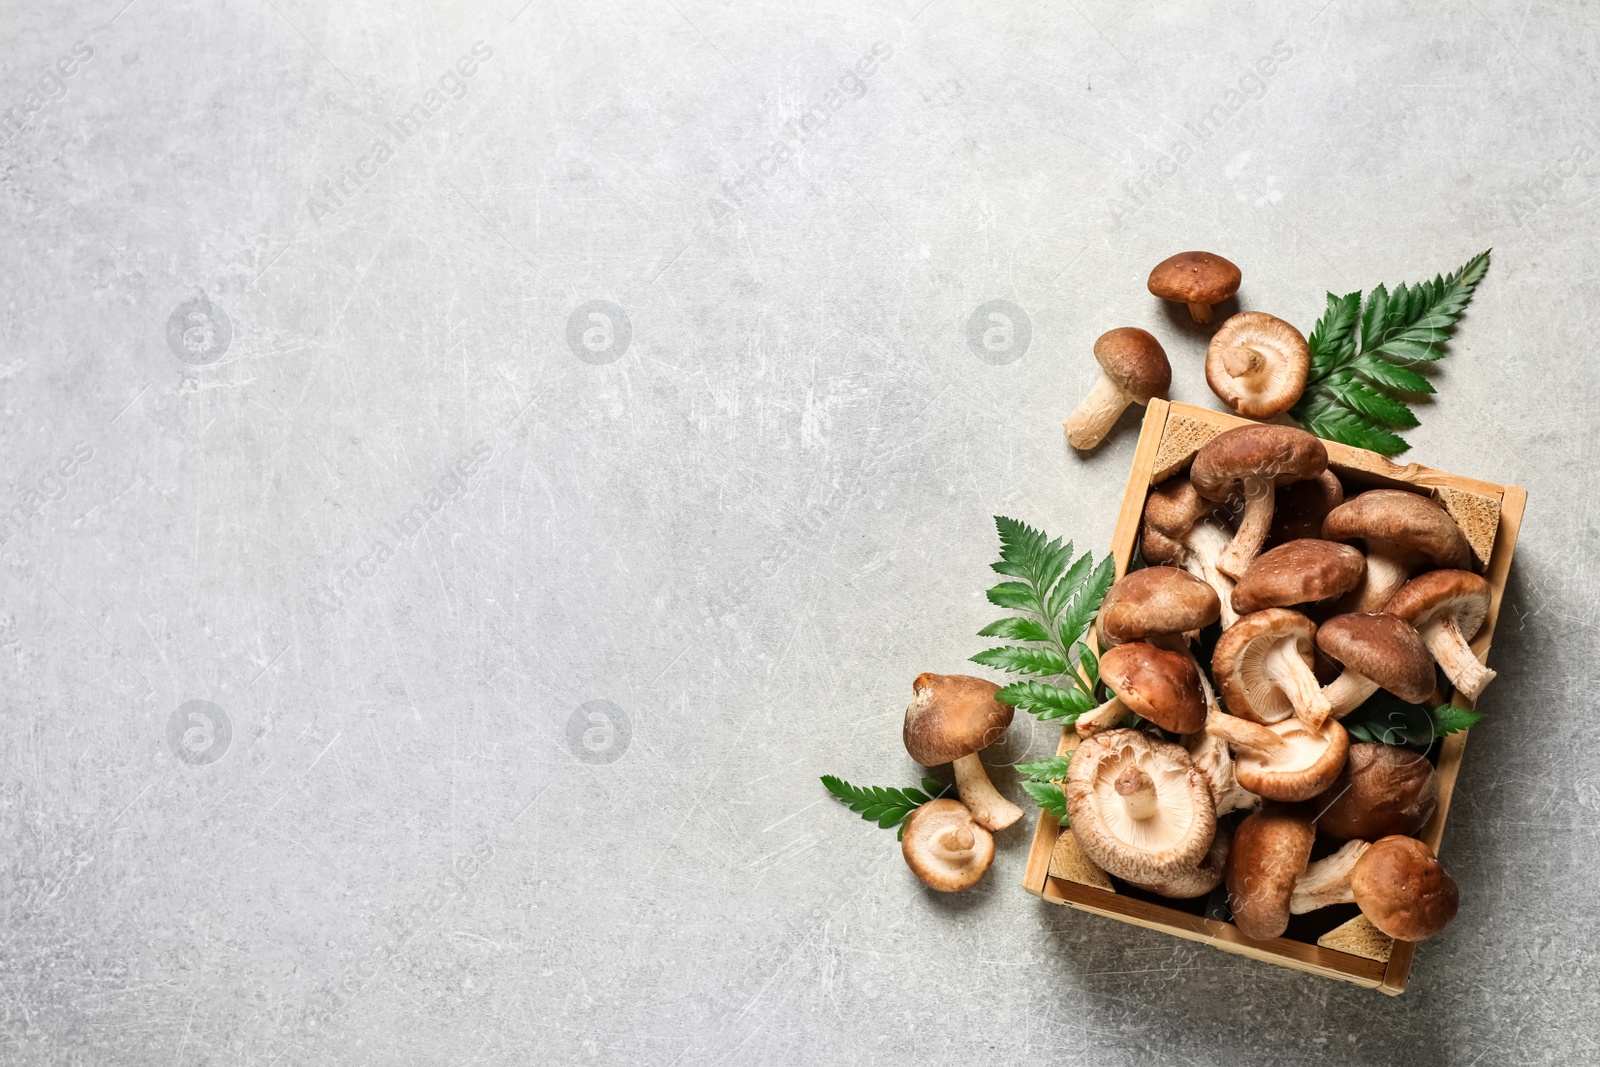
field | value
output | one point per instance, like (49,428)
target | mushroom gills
(1449,646)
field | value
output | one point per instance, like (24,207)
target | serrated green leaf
(1068,586)
(1086,602)
(1449,719)
(1016,630)
(1053,769)
(1405,352)
(1338,423)
(1050,797)
(883,805)
(1045,701)
(1367,400)
(1016,596)
(1395,379)
(1372,319)
(1016,659)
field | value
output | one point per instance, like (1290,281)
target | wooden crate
(1490,516)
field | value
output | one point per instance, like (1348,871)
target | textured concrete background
(325,459)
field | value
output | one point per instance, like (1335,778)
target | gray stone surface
(743,532)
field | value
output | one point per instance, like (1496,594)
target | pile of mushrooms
(1237,772)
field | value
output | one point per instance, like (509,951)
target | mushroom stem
(1254,525)
(1106,717)
(1200,312)
(1327,881)
(989,809)
(1243,733)
(1138,792)
(1093,418)
(1348,692)
(1455,657)
(1388,567)
(1242,361)
(1205,542)
(953,843)
(1289,673)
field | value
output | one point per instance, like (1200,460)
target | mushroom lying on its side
(1257,364)
(1396,881)
(1154,683)
(1383,790)
(951,718)
(945,847)
(1448,609)
(1379,651)
(1286,761)
(1252,462)
(1138,807)
(1263,665)
(1133,368)
(1402,531)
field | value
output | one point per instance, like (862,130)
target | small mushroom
(1179,529)
(1301,508)
(951,718)
(1213,758)
(1156,684)
(945,847)
(1397,882)
(1138,807)
(1382,790)
(1263,665)
(1379,651)
(1286,761)
(1402,531)
(1257,364)
(1270,851)
(1299,572)
(1448,609)
(1155,602)
(1252,461)
(1133,368)
(1201,879)
(1198,279)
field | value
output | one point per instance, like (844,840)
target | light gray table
(306,417)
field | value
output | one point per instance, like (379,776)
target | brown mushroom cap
(1438,593)
(1257,364)
(1138,807)
(1154,602)
(1382,790)
(1399,518)
(1170,511)
(1240,667)
(1403,890)
(1383,648)
(1156,684)
(1270,851)
(1281,453)
(952,715)
(1300,572)
(1299,509)
(945,847)
(1135,361)
(1307,763)
(1194,278)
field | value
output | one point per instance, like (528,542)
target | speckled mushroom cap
(1257,364)
(1180,822)
(1403,890)
(952,715)
(932,844)
(1202,878)
(1400,518)
(1382,790)
(1437,593)
(1270,851)
(1194,278)
(1281,453)
(1155,602)
(1300,509)
(1170,512)
(1300,572)
(1135,361)
(1381,647)
(1307,764)
(1239,662)
(1156,684)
